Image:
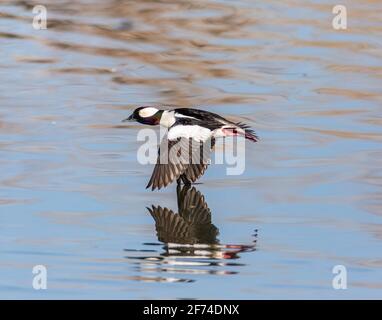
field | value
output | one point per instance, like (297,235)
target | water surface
(72,194)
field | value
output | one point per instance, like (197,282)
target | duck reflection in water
(192,225)
(189,242)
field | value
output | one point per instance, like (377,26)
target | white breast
(167,119)
(195,132)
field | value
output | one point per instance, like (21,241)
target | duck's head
(146,115)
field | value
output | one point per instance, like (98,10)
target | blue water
(72,194)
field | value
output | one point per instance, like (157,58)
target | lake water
(72,194)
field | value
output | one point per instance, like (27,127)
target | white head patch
(148,112)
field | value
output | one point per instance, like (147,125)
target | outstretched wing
(170,227)
(180,154)
(192,206)
(195,171)
(167,168)
(194,210)
(193,223)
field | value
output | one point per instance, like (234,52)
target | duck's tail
(249,133)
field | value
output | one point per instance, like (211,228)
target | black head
(146,115)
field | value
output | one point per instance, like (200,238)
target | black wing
(207,119)
(170,227)
(177,157)
(192,206)
(168,167)
(195,171)
(193,223)
(200,114)
(213,121)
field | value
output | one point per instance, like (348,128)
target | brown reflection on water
(197,41)
(190,243)
(167,35)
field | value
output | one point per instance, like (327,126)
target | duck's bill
(129,119)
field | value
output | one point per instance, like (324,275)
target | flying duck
(184,152)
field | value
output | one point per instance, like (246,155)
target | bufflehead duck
(188,143)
